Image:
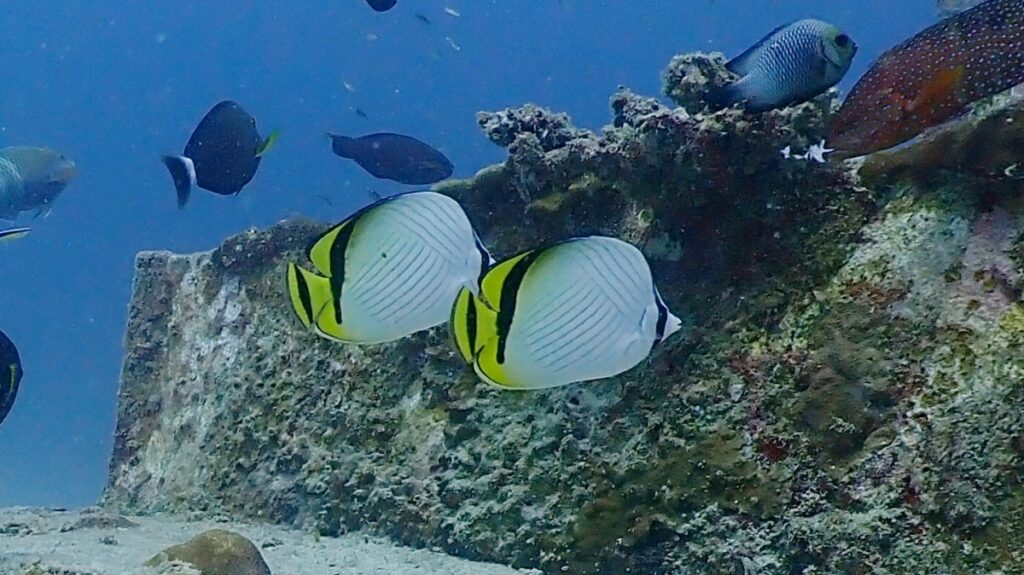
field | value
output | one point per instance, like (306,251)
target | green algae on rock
(216,552)
(846,398)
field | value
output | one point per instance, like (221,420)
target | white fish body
(397,266)
(585,309)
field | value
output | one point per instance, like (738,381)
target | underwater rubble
(93,541)
(845,396)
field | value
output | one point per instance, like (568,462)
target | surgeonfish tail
(268,143)
(341,145)
(183,172)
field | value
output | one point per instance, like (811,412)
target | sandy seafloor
(94,542)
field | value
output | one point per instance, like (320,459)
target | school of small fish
(580,309)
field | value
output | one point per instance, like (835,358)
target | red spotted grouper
(933,77)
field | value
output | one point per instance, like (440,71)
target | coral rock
(216,552)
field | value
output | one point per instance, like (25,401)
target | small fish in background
(452,12)
(579,310)
(395,157)
(10,374)
(388,271)
(931,78)
(949,8)
(12,234)
(31,178)
(222,155)
(382,5)
(791,65)
(422,18)
(359,112)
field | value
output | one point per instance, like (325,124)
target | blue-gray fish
(790,65)
(31,179)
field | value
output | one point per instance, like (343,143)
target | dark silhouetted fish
(933,77)
(382,5)
(394,157)
(10,374)
(31,179)
(222,155)
(790,65)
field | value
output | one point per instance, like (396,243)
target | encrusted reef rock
(846,396)
(216,552)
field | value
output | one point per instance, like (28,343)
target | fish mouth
(64,173)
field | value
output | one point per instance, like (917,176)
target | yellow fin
(487,367)
(301,294)
(472,323)
(313,302)
(494,280)
(268,143)
(320,253)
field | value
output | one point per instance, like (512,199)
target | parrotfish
(791,65)
(31,179)
(933,77)
(395,157)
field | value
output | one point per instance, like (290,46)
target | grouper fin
(268,143)
(183,172)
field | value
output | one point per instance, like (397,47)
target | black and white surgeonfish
(31,179)
(791,65)
(395,157)
(390,270)
(222,155)
(579,310)
(10,374)
(382,5)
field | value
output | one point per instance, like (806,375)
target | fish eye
(842,40)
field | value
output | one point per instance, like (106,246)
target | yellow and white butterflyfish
(579,310)
(390,270)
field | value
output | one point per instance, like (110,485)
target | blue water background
(114,84)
